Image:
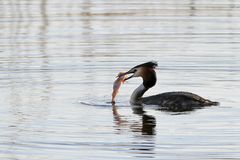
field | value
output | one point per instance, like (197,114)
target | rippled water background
(58,60)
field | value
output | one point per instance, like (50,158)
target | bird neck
(149,77)
(137,94)
(149,80)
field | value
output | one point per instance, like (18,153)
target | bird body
(177,101)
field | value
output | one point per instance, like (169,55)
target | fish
(117,84)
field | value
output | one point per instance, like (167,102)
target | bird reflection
(146,126)
(142,146)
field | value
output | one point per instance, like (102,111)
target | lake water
(58,60)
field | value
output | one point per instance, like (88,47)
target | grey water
(58,60)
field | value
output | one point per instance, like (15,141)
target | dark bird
(172,101)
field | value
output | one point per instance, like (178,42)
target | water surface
(58,62)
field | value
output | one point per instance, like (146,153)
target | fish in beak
(131,71)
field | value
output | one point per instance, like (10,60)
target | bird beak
(131,71)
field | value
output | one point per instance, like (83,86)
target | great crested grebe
(175,101)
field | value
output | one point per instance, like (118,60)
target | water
(58,61)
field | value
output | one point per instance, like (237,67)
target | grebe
(174,101)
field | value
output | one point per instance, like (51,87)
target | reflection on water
(53,55)
(145,127)
(142,148)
